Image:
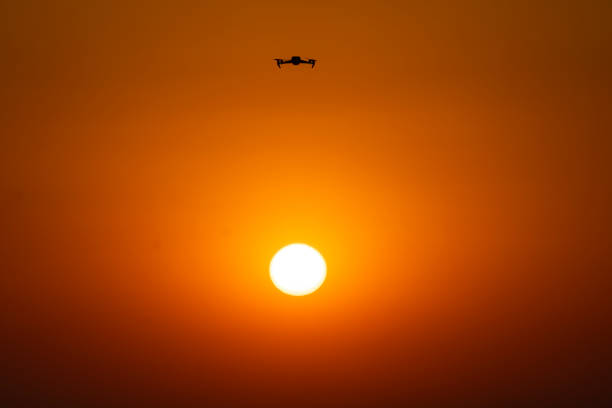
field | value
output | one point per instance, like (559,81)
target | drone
(295,61)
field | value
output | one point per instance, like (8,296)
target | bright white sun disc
(298,269)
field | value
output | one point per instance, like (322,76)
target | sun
(298,269)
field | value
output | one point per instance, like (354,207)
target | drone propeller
(278,61)
(312,61)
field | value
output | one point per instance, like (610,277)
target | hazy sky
(450,160)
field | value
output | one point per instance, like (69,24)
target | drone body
(295,61)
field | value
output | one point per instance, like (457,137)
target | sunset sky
(452,161)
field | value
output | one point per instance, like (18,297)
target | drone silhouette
(295,61)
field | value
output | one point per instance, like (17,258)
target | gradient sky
(451,161)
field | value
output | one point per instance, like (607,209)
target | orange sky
(450,161)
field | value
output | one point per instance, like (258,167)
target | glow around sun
(298,269)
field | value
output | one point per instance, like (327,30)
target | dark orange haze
(451,161)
